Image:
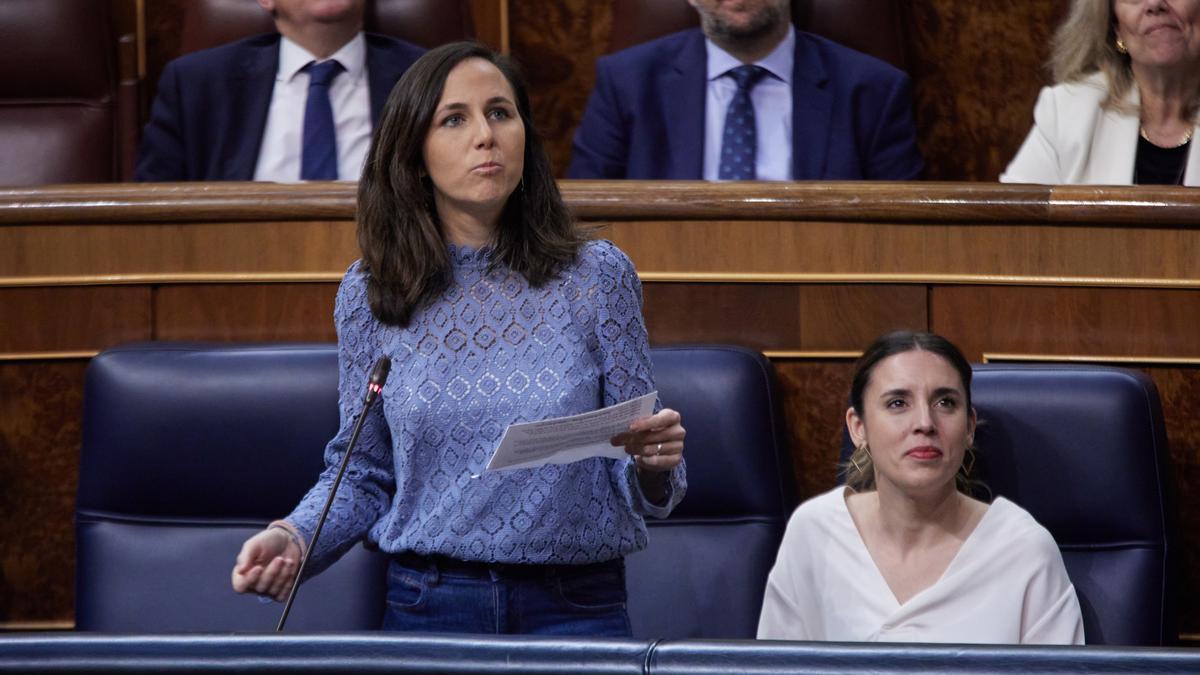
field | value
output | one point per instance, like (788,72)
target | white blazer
(1074,140)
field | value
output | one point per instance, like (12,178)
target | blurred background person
(294,105)
(746,96)
(1123,109)
(901,553)
(494,309)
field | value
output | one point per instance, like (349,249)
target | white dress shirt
(772,99)
(1006,585)
(349,94)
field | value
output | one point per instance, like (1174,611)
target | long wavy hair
(1086,42)
(860,470)
(404,250)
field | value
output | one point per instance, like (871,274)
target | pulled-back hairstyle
(860,470)
(403,246)
(1086,43)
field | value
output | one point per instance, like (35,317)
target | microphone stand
(378,376)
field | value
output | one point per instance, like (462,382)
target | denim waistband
(478,569)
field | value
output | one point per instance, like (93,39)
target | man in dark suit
(247,110)
(746,96)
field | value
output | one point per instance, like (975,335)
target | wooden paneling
(976,69)
(245,312)
(848,318)
(1068,321)
(781,317)
(757,316)
(491,23)
(40,404)
(1179,389)
(814,406)
(72,318)
(94,253)
(557,43)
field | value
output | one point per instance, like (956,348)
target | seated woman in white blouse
(901,553)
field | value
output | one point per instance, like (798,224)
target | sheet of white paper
(566,439)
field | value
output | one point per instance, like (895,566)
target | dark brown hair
(404,250)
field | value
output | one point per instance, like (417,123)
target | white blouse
(1006,585)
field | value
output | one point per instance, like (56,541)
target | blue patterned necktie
(740,139)
(318,155)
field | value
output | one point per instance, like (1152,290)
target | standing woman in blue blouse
(494,309)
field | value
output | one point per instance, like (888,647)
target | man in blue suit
(237,112)
(746,96)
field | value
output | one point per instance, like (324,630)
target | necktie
(318,155)
(740,139)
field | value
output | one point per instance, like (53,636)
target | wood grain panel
(40,404)
(321,250)
(976,69)
(848,318)
(72,318)
(1179,389)
(814,405)
(245,312)
(758,316)
(198,248)
(1142,207)
(557,43)
(1068,321)
(882,252)
(491,23)
(781,317)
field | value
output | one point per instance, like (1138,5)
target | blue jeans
(440,596)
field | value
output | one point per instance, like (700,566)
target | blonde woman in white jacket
(1124,109)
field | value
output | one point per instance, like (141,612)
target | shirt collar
(352,56)
(778,63)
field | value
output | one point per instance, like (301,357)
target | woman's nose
(924,419)
(483,133)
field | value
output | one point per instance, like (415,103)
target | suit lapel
(250,93)
(382,74)
(683,94)
(812,106)
(1191,174)
(1113,149)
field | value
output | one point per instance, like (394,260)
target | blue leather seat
(1084,450)
(703,574)
(188,449)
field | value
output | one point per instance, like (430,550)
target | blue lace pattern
(490,352)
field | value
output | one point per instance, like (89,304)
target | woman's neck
(912,521)
(469,229)
(1165,95)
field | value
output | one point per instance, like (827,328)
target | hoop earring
(1121,46)
(864,448)
(968,461)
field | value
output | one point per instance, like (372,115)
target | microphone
(379,375)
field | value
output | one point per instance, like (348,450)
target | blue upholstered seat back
(190,448)
(1083,449)
(187,450)
(704,571)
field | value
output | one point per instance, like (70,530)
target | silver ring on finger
(658,449)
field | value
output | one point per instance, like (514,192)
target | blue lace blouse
(489,352)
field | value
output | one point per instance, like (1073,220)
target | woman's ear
(972,423)
(858,430)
